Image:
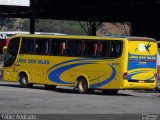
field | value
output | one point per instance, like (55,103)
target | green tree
(7,22)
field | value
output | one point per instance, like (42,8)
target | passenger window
(58,47)
(42,46)
(116,47)
(90,48)
(110,49)
(27,46)
(104,49)
(74,47)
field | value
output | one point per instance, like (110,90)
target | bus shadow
(63,90)
(147,91)
(71,91)
(10,85)
(18,86)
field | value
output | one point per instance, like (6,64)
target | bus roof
(85,37)
(8,34)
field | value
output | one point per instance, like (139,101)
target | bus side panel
(10,74)
(100,73)
(36,66)
(109,78)
(26,64)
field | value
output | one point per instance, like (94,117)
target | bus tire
(82,85)
(23,80)
(110,92)
(50,87)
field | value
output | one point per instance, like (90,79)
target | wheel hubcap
(24,80)
(81,86)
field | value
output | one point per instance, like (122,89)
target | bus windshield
(11,52)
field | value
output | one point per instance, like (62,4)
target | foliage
(6,23)
(61,26)
(55,26)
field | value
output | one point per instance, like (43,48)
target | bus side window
(82,48)
(105,49)
(63,48)
(116,49)
(78,48)
(42,46)
(100,45)
(90,48)
(57,47)
(74,48)
(27,46)
(95,49)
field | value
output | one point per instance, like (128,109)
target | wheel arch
(24,73)
(84,77)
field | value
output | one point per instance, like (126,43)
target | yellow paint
(99,69)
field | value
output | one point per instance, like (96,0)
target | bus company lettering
(133,56)
(21,60)
(43,62)
(33,61)
(141,57)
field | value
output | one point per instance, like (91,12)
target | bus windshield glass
(11,52)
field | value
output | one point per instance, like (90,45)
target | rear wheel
(50,87)
(23,80)
(110,92)
(82,86)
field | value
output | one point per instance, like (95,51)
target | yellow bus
(84,62)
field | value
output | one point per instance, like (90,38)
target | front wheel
(23,80)
(110,92)
(82,86)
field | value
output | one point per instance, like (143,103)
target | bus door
(10,59)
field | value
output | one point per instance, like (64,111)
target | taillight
(125,75)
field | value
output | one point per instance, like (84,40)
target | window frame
(40,40)
(66,52)
(31,52)
(110,42)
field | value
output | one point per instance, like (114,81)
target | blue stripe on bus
(130,75)
(105,81)
(55,74)
(75,60)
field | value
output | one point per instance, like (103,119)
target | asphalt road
(63,100)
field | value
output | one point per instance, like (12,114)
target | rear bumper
(139,85)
